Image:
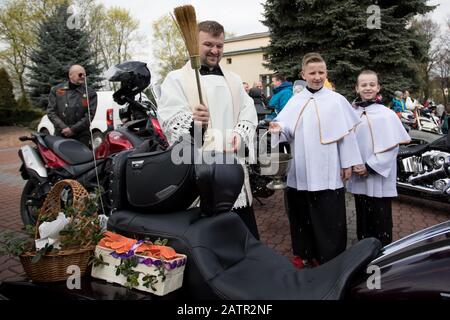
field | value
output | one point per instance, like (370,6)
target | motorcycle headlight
(439,160)
(440,184)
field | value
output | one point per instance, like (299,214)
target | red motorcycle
(56,158)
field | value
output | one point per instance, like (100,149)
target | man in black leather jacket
(68,106)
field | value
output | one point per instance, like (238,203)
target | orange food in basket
(121,244)
(156,251)
(116,242)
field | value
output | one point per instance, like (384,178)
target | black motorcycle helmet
(133,76)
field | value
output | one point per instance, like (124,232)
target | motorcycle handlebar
(25,138)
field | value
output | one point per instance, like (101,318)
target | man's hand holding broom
(186,21)
(201,115)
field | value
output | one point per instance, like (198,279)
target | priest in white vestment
(228,117)
(374,184)
(318,123)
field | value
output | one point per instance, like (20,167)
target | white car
(106,118)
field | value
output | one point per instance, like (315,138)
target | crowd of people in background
(268,108)
(403,102)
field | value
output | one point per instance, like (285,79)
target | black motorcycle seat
(70,150)
(225,261)
(141,225)
(405,151)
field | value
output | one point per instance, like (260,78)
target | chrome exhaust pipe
(420,189)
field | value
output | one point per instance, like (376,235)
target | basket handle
(52,203)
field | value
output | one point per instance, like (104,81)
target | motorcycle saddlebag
(155,184)
(116,183)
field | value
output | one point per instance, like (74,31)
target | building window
(229,60)
(266,80)
(266,57)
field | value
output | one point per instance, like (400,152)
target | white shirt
(380,129)
(410,104)
(319,128)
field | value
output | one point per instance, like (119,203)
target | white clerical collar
(385,128)
(308,94)
(370,107)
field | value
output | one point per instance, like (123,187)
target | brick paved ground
(11,185)
(409,214)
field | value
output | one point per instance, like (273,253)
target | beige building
(245,56)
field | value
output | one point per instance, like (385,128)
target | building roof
(248,36)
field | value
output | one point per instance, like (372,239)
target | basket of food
(65,236)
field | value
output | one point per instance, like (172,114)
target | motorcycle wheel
(29,211)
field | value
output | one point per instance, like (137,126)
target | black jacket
(68,108)
(260,101)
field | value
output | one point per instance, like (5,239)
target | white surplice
(319,127)
(378,135)
(231,110)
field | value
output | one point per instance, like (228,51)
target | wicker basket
(54,266)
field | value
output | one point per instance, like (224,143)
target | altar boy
(318,123)
(374,183)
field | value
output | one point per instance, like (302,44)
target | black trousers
(374,218)
(317,222)
(248,217)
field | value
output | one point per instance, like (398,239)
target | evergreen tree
(7,101)
(344,32)
(59,46)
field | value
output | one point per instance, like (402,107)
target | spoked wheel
(30,202)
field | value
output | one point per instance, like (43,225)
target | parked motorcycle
(421,121)
(240,267)
(54,158)
(408,118)
(428,122)
(424,170)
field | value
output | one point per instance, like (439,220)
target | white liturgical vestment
(231,110)
(378,135)
(319,127)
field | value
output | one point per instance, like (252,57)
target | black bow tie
(205,71)
(363,104)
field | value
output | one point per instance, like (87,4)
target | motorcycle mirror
(156,90)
